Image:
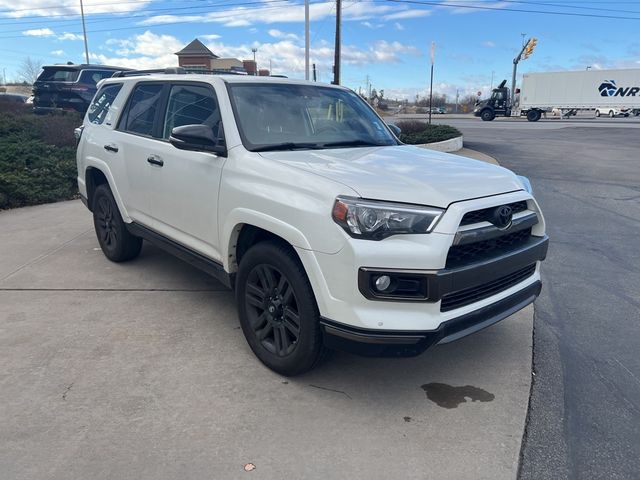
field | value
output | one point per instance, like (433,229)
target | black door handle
(153,160)
(111,148)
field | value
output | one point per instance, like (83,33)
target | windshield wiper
(354,143)
(286,146)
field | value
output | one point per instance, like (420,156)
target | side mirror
(200,138)
(395,129)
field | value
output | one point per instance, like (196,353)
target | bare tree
(29,70)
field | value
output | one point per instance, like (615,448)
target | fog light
(383,282)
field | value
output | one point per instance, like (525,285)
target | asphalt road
(584,417)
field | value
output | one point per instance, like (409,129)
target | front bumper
(410,343)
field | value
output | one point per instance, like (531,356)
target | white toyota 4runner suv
(333,234)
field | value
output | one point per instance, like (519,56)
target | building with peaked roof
(197,57)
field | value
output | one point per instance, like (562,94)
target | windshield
(287,117)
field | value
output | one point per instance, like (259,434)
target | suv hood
(404,173)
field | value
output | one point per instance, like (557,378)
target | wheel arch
(96,175)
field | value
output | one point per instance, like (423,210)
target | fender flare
(106,171)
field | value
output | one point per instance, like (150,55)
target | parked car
(14,97)
(298,196)
(613,112)
(68,87)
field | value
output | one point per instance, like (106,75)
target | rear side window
(191,105)
(94,76)
(101,102)
(142,109)
(58,74)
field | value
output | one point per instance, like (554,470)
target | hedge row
(37,156)
(415,132)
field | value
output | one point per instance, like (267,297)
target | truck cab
(497,105)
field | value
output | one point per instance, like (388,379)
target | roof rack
(166,71)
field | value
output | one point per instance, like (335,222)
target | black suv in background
(68,87)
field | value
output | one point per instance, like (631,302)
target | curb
(446,146)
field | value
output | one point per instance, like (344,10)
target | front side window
(191,105)
(283,116)
(143,107)
(101,102)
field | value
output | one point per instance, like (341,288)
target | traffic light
(528,49)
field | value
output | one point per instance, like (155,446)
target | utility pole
(336,61)
(84,31)
(457,97)
(368,89)
(306,39)
(270,69)
(314,73)
(492,74)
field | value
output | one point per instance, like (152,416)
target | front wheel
(597,113)
(278,312)
(487,115)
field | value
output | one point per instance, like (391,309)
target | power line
(204,20)
(226,6)
(505,9)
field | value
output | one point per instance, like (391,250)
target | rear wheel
(278,312)
(533,115)
(116,242)
(611,114)
(487,115)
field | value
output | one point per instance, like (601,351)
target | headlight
(526,183)
(374,220)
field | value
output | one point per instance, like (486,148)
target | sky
(386,41)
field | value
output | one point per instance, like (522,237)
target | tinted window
(101,102)
(143,107)
(94,76)
(58,74)
(191,105)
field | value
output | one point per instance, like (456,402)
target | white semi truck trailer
(599,90)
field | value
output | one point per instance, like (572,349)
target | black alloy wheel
(277,309)
(272,310)
(117,244)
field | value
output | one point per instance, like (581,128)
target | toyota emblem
(502,217)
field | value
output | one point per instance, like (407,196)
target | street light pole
(433,60)
(84,31)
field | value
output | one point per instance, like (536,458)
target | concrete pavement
(140,370)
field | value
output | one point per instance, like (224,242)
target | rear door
(184,184)
(136,137)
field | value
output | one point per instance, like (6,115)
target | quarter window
(101,102)
(143,106)
(191,105)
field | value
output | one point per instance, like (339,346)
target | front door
(185,184)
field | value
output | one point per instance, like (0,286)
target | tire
(533,115)
(611,114)
(117,244)
(597,113)
(278,311)
(487,115)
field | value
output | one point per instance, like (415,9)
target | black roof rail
(166,71)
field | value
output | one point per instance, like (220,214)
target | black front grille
(464,254)
(485,214)
(468,296)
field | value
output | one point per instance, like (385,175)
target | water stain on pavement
(447,396)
